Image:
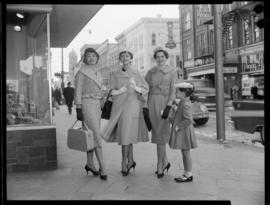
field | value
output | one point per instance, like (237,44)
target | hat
(91,50)
(183,85)
(158,49)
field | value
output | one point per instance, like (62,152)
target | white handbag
(81,138)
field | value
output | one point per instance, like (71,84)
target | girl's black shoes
(87,169)
(184,178)
(103,177)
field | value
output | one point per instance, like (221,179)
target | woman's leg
(130,155)
(90,160)
(125,151)
(187,162)
(160,155)
(99,155)
(165,159)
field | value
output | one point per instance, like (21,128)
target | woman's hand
(132,83)
(119,91)
(176,128)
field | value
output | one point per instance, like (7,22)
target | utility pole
(220,124)
(62,72)
(181,54)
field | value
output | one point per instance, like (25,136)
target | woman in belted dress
(161,79)
(126,125)
(88,95)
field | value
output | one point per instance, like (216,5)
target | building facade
(144,36)
(73,60)
(243,45)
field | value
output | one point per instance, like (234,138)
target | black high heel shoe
(132,166)
(167,167)
(103,177)
(87,169)
(160,175)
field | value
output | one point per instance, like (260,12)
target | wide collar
(165,69)
(91,71)
(128,73)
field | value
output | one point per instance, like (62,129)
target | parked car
(200,113)
(206,92)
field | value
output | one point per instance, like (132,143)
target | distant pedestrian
(182,130)
(69,96)
(88,85)
(127,125)
(161,79)
(254,92)
(58,95)
(234,92)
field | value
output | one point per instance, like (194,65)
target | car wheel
(201,121)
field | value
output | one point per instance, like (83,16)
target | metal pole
(49,65)
(219,73)
(181,56)
(62,72)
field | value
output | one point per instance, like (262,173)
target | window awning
(66,21)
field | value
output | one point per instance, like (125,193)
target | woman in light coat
(126,125)
(88,84)
(161,79)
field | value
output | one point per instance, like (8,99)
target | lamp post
(62,72)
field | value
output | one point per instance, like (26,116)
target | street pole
(181,57)
(62,72)
(220,124)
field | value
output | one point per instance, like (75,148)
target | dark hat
(126,51)
(160,49)
(91,50)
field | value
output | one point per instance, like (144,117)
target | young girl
(182,131)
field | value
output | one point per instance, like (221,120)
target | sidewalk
(232,171)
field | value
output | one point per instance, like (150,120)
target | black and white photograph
(135,102)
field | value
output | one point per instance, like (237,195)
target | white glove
(122,89)
(132,83)
(176,128)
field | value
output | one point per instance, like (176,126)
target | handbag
(106,110)
(80,139)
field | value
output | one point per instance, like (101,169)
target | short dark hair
(90,50)
(161,50)
(128,52)
(69,83)
(187,91)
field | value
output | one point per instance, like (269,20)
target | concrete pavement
(232,171)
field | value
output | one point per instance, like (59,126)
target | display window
(27,77)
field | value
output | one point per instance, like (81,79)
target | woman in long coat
(126,125)
(88,85)
(161,79)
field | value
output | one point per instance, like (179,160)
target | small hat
(91,50)
(183,85)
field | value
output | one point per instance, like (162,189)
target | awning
(66,21)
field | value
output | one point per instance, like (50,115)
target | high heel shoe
(95,173)
(132,166)
(160,175)
(103,177)
(167,167)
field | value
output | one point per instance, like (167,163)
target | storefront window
(27,85)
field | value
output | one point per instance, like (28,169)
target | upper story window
(187,21)
(246,31)
(187,49)
(141,41)
(154,39)
(257,33)
(230,37)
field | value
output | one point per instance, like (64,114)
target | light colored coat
(88,85)
(184,138)
(161,90)
(126,125)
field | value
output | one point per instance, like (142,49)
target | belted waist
(159,90)
(92,97)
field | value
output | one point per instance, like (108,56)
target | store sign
(229,69)
(170,44)
(251,68)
